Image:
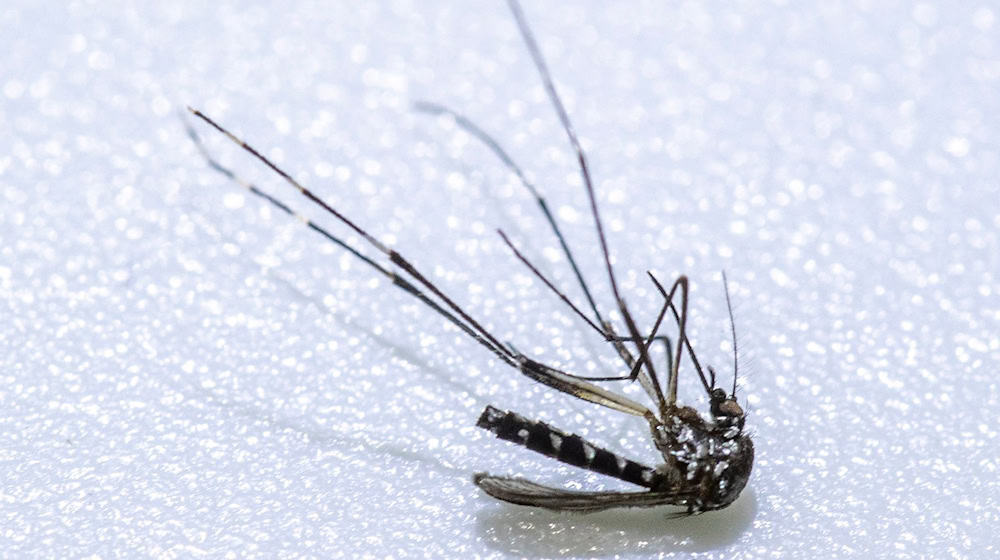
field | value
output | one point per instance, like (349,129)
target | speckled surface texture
(186,373)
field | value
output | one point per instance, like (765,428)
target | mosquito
(706,460)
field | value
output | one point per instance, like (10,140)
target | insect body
(706,461)
(707,465)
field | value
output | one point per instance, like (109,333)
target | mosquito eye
(718,395)
(730,408)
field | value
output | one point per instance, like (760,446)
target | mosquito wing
(527,493)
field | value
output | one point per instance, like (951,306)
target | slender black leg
(534,370)
(606,330)
(466,324)
(550,88)
(494,146)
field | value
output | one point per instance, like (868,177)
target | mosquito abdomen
(568,448)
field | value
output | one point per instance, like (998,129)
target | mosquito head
(725,409)
(724,405)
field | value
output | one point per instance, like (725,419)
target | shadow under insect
(540,533)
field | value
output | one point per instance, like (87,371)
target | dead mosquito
(706,460)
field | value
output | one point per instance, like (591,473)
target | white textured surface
(184,372)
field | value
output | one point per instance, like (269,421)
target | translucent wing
(527,493)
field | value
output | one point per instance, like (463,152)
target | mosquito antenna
(551,286)
(536,55)
(732,327)
(494,146)
(394,257)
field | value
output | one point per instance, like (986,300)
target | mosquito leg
(650,383)
(467,324)
(686,343)
(662,338)
(580,389)
(669,352)
(533,370)
(668,304)
(681,282)
(536,55)
(494,146)
(617,339)
(649,380)
(551,286)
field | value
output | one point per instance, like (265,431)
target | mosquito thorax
(681,424)
(710,456)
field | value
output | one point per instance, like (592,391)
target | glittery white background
(185,372)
